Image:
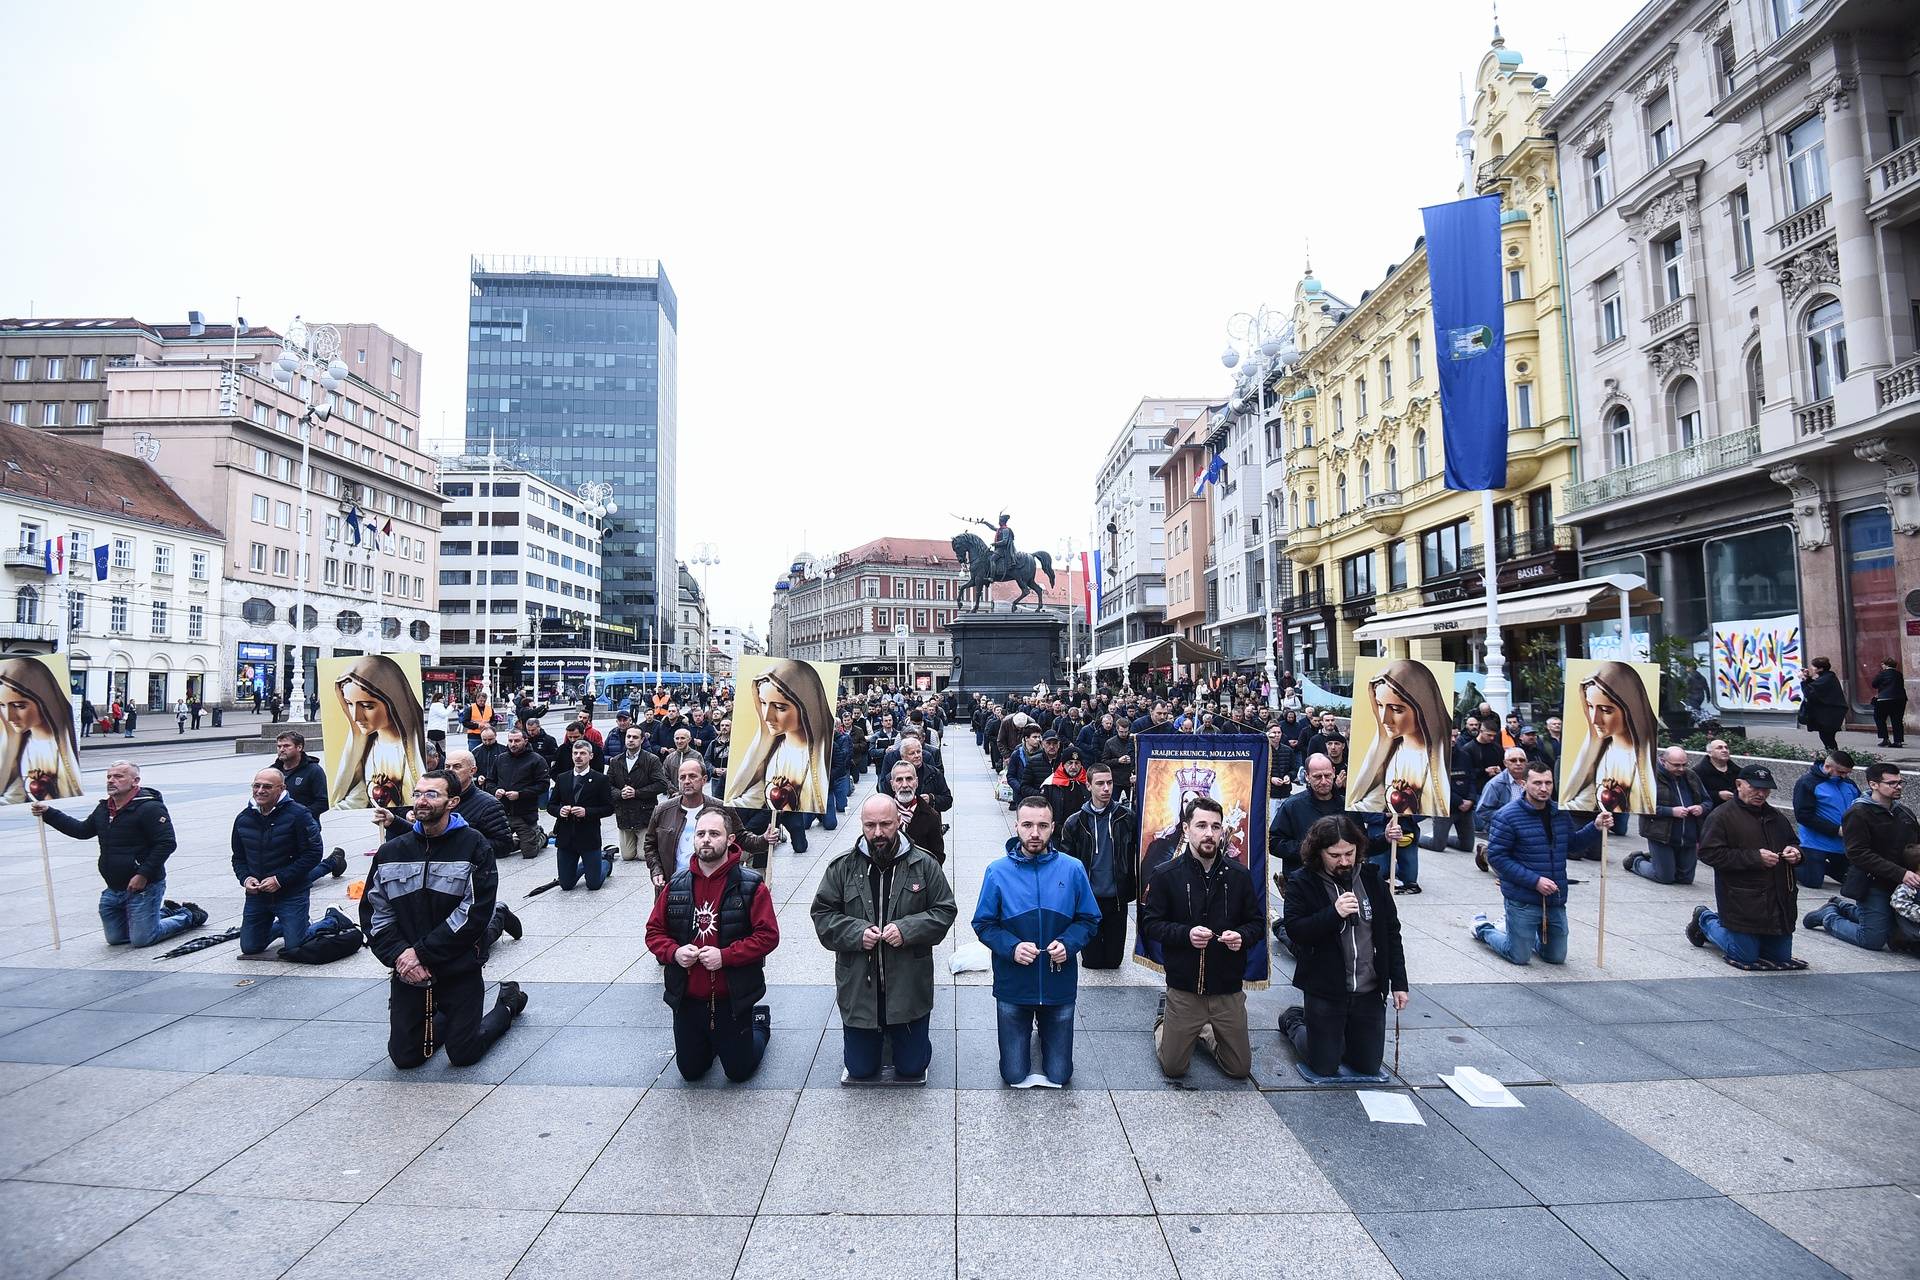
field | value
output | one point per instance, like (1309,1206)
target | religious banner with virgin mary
(782,743)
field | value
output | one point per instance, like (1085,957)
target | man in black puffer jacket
(276,846)
(479,811)
(135,835)
(429,898)
(306,779)
(520,779)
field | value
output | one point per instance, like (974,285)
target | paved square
(209,1116)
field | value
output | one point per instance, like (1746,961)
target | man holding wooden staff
(1528,843)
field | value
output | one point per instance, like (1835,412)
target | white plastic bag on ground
(970,957)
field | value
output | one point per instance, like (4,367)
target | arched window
(1826,335)
(1420,455)
(1393,468)
(1619,438)
(1313,509)
(1366,479)
(1756,387)
(1340,494)
(1685,401)
(26,607)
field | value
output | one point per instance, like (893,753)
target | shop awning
(1589,600)
(1160,651)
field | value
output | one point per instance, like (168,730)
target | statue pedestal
(995,654)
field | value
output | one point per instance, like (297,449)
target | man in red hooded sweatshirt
(712,929)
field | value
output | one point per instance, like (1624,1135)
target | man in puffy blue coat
(1037,913)
(276,846)
(1821,800)
(1527,847)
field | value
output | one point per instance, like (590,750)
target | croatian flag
(1099,585)
(100,563)
(1211,475)
(57,557)
(1469,318)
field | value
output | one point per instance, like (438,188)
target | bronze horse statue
(978,558)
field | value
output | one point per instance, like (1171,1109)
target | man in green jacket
(882,907)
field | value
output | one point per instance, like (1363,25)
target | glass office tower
(572,368)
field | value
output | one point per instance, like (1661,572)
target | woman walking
(1890,703)
(1823,702)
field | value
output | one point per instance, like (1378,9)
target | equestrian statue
(1000,564)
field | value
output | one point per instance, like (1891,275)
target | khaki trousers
(1187,1015)
(630,838)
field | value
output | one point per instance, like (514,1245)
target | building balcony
(1895,178)
(1795,231)
(34,557)
(1721,453)
(1815,419)
(1304,602)
(43,631)
(1384,510)
(1902,385)
(1667,321)
(1208,563)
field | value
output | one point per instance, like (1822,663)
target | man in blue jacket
(839,772)
(1037,912)
(276,846)
(1820,802)
(1527,847)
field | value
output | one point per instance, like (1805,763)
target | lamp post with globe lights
(1269,341)
(706,555)
(308,354)
(597,497)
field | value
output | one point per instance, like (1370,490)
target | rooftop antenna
(1566,58)
(1463,140)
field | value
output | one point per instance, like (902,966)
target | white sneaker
(1479,925)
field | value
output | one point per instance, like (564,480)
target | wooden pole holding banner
(46,874)
(1600,957)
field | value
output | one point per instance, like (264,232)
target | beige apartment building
(198,403)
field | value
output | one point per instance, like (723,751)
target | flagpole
(1499,692)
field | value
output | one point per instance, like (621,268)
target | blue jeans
(138,918)
(912,1048)
(837,792)
(1866,924)
(1745,948)
(1016,1040)
(1816,865)
(1408,858)
(594,863)
(265,916)
(1521,938)
(1668,864)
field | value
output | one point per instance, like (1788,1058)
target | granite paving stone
(501,1061)
(1530,1242)
(1007,1248)
(829,1060)
(555,1134)
(49,1226)
(1840,993)
(1579,1054)
(226,1238)
(1870,1233)
(1862,1126)
(52,1114)
(1179,1140)
(1730,999)
(664,1160)
(73,988)
(556,1004)
(1898,1084)
(179,993)
(397,1243)
(289,997)
(1902,1026)
(788,1061)
(624,1005)
(1498,1004)
(621,1056)
(1726,1144)
(12,1019)
(896,1247)
(1288,1246)
(1428,1053)
(170,1144)
(1702,1239)
(1382,1167)
(875,1140)
(323,1050)
(196,1043)
(77,1035)
(1603,1003)
(18,1075)
(1699,1049)
(631,1247)
(1126,1060)
(1829,1043)
(348,1145)
(1011,1136)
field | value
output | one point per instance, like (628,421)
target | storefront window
(1872,601)
(1752,576)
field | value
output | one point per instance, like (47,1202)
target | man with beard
(881,908)
(1103,836)
(574,733)
(487,755)
(1282,765)
(919,816)
(717,756)
(1035,900)
(306,778)
(1322,798)
(1202,909)
(429,898)
(521,777)
(637,784)
(479,811)
(1118,752)
(1066,790)
(668,842)
(542,744)
(712,931)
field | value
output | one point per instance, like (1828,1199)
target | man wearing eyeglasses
(428,903)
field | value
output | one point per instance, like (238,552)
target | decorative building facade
(1129,510)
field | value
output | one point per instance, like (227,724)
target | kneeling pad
(1346,1076)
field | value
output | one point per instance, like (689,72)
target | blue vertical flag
(1469,321)
(100,563)
(1099,587)
(353,526)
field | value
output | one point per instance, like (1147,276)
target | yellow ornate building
(1384,559)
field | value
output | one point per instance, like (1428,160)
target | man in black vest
(712,929)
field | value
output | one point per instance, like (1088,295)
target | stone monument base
(266,743)
(995,654)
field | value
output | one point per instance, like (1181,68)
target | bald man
(276,846)
(136,836)
(1672,830)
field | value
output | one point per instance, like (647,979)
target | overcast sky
(928,256)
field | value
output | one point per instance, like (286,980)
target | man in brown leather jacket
(668,844)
